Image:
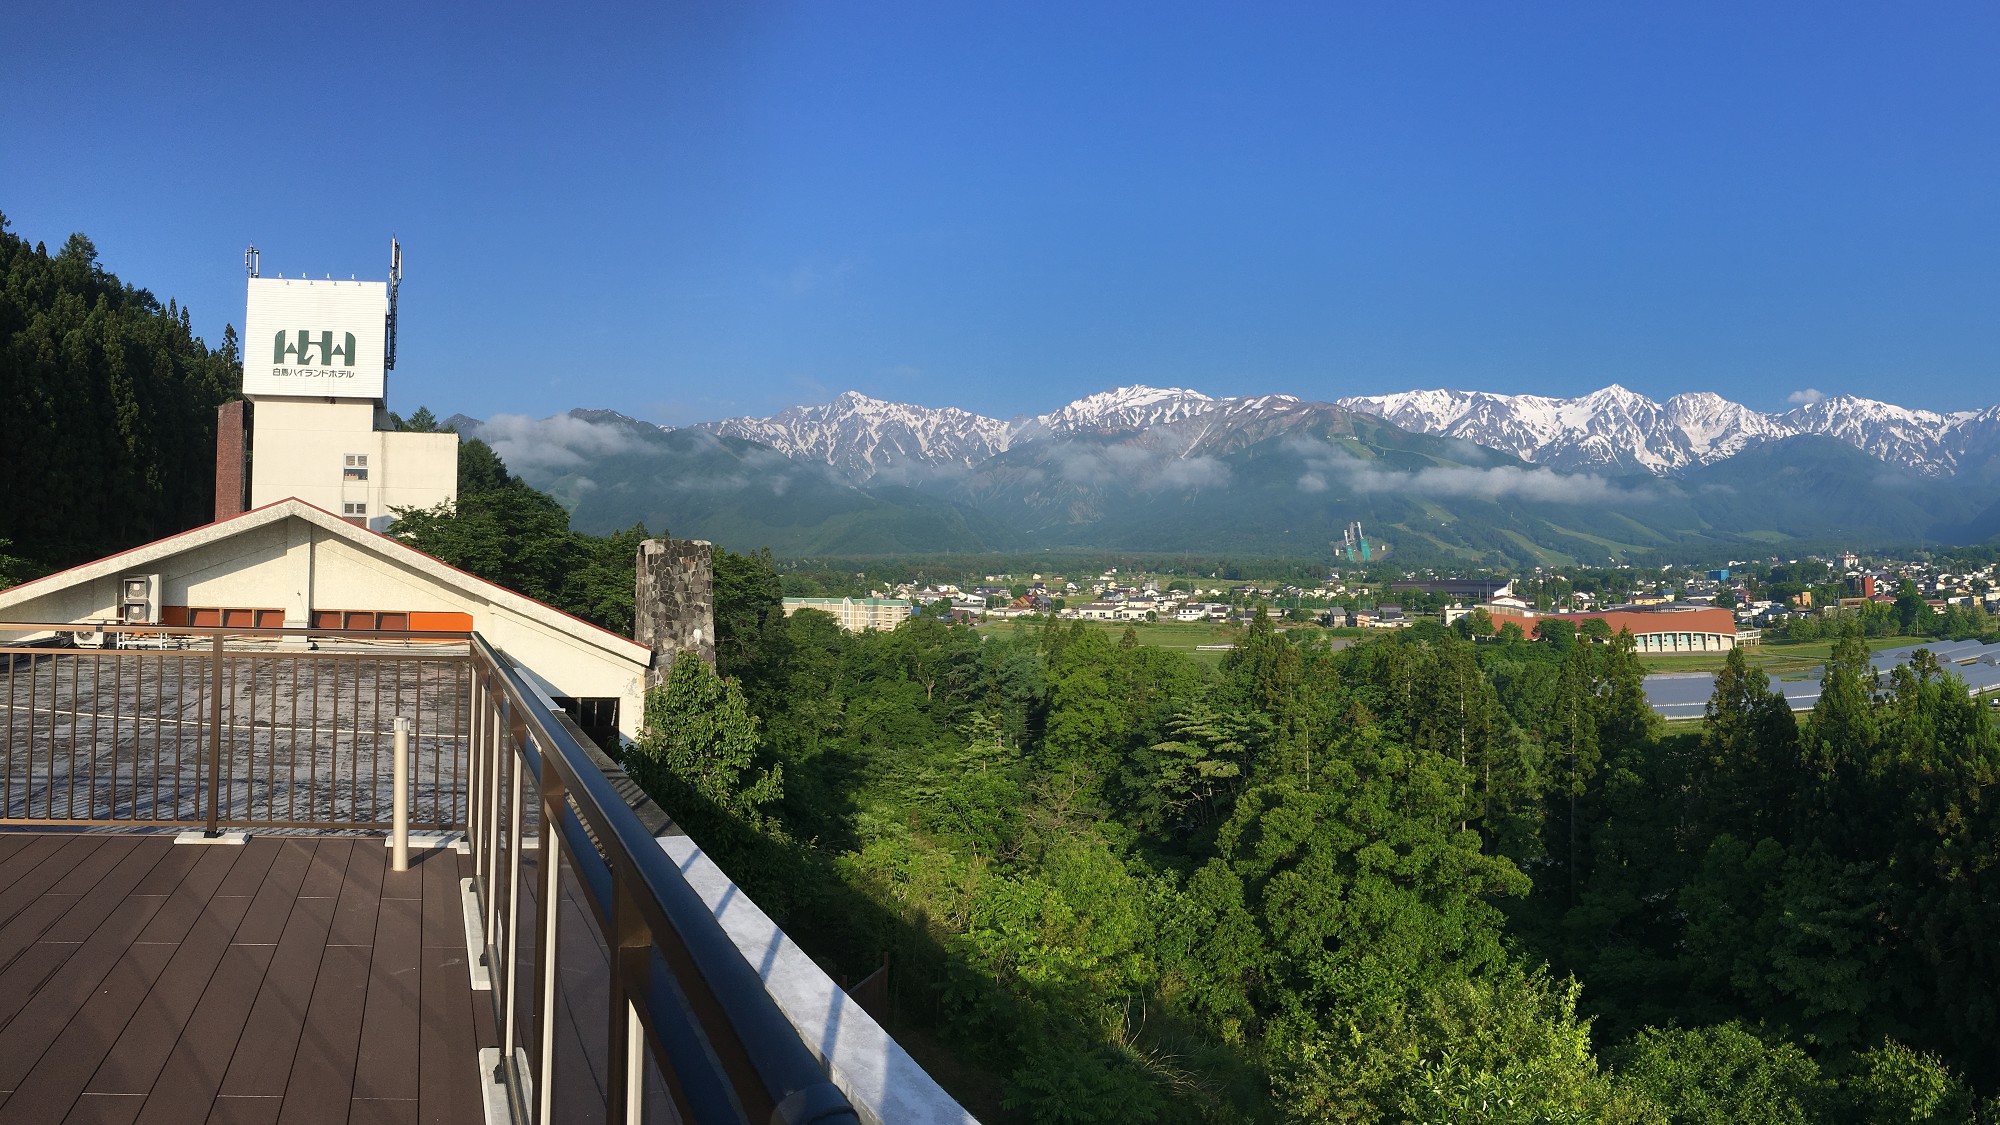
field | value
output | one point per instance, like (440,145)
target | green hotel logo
(301,349)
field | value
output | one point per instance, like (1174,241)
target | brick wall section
(231,460)
(674,602)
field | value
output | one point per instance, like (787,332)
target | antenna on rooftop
(395,281)
(250,261)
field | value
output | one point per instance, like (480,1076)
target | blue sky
(690,210)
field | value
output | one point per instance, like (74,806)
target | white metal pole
(399,832)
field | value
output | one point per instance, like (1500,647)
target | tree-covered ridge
(506,532)
(110,400)
(1418,880)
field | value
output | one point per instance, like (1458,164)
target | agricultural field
(1190,636)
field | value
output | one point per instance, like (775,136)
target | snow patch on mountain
(1613,429)
(860,436)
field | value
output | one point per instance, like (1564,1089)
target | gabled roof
(373,542)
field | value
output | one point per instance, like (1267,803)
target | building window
(356,467)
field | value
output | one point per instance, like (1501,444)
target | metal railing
(229,727)
(293,728)
(679,993)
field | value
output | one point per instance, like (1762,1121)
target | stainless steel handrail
(678,986)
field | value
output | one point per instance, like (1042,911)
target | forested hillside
(110,405)
(1421,879)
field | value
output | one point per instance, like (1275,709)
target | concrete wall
(299,447)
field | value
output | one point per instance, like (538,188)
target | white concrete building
(340,455)
(291,565)
(856,614)
(316,357)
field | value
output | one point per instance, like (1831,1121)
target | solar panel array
(1685,695)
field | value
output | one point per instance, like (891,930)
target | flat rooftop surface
(288,979)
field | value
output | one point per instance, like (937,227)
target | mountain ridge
(1612,429)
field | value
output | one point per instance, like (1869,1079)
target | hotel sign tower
(316,358)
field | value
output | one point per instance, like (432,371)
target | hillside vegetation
(1416,880)
(110,400)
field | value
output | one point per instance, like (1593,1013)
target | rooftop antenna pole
(250,261)
(395,281)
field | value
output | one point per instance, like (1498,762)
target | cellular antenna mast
(250,261)
(395,280)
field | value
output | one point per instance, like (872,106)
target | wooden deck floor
(285,980)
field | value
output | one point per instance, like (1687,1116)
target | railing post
(399,830)
(215,738)
(550,868)
(475,764)
(631,951)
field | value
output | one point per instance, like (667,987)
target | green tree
(698,752)
(1723,1075)
(1893,1085)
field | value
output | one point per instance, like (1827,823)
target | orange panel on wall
(437,622)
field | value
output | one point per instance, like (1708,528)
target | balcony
(203,916)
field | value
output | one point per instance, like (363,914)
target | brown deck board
(35,868)
(263,1060)
(11,842)
(323,1071)
(48,1091)
(105,1109)
(30,915)
(66,1068)
(144,981)
(277,893)
(446,1007)
(389,1031)
(354,916)
(34,987)
(135,1061)
(186,1088)
(96,934)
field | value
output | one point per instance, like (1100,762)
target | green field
(1185,636)
(1781,660)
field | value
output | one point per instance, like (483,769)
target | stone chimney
(232,478)
(673,602)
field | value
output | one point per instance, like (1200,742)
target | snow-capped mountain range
(1613,429)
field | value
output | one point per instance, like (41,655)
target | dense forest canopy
(1420,879)
(110,400)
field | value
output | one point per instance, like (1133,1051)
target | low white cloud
(1138,467)
(555,444)
(1330,467)
(1805,397)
